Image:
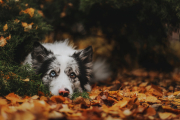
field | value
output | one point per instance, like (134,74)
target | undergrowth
(21,80)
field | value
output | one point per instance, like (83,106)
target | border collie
(65,70)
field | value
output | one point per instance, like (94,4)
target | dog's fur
(61,66)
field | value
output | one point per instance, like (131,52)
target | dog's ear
(39,52)
(86,54)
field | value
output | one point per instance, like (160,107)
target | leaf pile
(132,96)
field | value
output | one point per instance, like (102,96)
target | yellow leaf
(176,93)
(2,41)
(5,27)
(165,115)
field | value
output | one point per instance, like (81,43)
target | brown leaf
(151,111)
(155,90)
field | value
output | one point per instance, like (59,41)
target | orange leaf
(43,98)
(57,99)
(29,11)
(155,90)
(152,99)
(121,104)
(3,101)
(14,98)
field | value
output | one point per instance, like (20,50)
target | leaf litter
(132,95)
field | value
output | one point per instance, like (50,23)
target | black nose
(64,92)
(66,89)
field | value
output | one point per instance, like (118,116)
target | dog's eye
(52,74)
(73,75)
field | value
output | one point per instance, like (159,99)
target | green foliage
(84,94)
(18,46)
(15,81)
(21,41)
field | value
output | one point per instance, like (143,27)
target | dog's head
(64,74)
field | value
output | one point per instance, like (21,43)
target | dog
(64,69)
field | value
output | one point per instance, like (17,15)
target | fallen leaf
(151,111)
(14,98)
(55,115)
(152,99)
(3,101)
(121,104)
(35,97)
(165,115)
(57,99)
(66,109)
(127,112)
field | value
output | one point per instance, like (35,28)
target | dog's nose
(64,92)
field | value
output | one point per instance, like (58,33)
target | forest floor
(133,95)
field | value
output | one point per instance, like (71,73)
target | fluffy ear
(39,52)
(86,54)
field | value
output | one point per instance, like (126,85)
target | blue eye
(52,74)
(73,75)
